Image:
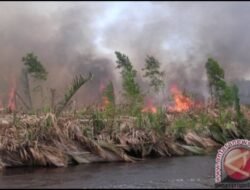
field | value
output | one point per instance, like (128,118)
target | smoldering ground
(181,35)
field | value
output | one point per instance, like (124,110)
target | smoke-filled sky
(80,37)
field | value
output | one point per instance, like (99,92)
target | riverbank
(44,140)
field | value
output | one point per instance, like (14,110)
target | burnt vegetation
(120,131)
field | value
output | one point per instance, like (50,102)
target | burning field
(131,130)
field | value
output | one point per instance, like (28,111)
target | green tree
(236,100)
(34,69)
(228,96)
(243,122)
(131,88)
(221,93)
(152,71)
(215,76)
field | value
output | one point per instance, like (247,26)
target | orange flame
(149,108)
(12,99)
(182,103)
(105,102)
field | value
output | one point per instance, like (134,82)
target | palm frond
(75,86)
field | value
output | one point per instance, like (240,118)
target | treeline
(222,93)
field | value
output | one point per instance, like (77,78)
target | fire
(182,103)
(105,102)
(12,98)
(149,108)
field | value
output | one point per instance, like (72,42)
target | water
(178,172)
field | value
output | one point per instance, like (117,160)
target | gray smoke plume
(63,40)
(181,35)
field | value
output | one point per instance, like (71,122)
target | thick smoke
(63,40)
(182,35)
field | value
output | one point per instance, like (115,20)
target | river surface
(176,172)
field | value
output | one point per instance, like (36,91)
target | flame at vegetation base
(181,103)
(105,103)
(149,108)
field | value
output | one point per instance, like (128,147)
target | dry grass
(30,140)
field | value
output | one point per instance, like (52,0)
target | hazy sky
(183,22)
(113,12)
(78,37)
